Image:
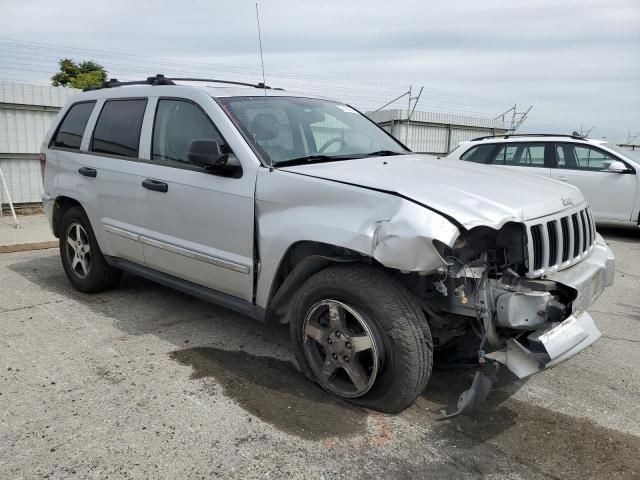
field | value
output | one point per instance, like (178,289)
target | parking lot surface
(144,382)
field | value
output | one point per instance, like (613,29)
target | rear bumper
(549,346)
(47,205)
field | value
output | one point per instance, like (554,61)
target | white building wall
(435,133)
(26,112)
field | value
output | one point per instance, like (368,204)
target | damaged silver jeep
(301,210)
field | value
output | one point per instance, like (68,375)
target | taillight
(43,163)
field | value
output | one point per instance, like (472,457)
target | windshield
(287,129)
(627,153)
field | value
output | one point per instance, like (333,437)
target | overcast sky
(577,62)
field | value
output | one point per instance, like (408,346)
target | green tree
(78,75)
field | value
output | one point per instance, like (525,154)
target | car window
(117,130)
(582,157)
(478,154)
(520,154)
(177,123)
(69,134)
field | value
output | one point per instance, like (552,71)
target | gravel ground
(144,382)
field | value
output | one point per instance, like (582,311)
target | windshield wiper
(312,159)
(383,153)
(318,158)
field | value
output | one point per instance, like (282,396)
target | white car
(606,173)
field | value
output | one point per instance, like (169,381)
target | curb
(24,247)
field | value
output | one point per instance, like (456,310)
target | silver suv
(300,209)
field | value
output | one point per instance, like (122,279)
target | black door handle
(155,185)
(88,172)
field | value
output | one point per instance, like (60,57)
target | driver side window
(177,123)
(582,157)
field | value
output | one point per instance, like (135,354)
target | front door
(610,195)
(197,225)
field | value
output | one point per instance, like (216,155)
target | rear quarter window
(71,129)
(117,130)
(478,154)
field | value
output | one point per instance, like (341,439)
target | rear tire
(83,262)
(354,324)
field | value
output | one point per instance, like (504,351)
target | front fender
(292,208)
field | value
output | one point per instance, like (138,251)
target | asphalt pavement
(145,382)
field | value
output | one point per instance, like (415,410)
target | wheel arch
(302,260)
(60,206)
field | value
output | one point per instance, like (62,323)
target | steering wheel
(330,142)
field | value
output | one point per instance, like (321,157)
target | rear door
(611,195)
(103,173)
(532,157)
(197,225)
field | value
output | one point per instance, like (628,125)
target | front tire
(83,262)
(362,337)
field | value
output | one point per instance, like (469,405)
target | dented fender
(291,208)
(405,241)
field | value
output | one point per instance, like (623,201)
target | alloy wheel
(78,250)
(341,348)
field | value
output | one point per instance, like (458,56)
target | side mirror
(206,154)
(616,167)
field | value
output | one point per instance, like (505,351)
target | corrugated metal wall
(22,131)
(23,180)
(435,133)
(26,112)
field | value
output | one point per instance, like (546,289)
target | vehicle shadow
(619,234)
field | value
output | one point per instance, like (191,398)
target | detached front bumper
(557,342)
(535,351)
(551,346)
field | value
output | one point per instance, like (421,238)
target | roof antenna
(264,82)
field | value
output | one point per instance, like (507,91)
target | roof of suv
(176,90)
(161,84)
(540,137)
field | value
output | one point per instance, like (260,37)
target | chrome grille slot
(577,235)
(553,242)
(559,241)
(566,246)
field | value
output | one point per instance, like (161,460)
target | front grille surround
(556,242)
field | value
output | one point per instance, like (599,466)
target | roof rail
(509,135)
(160,79)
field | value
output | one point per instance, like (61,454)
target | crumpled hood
(472,194)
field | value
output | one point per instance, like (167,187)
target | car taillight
(43,163)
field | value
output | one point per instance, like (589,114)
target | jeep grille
(559,241)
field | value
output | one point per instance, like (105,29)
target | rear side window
(118,128)
(521,154)
(70,131)
(177,123)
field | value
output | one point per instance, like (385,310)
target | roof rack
(160,79)
(509,135)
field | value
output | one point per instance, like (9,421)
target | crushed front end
(516,298)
